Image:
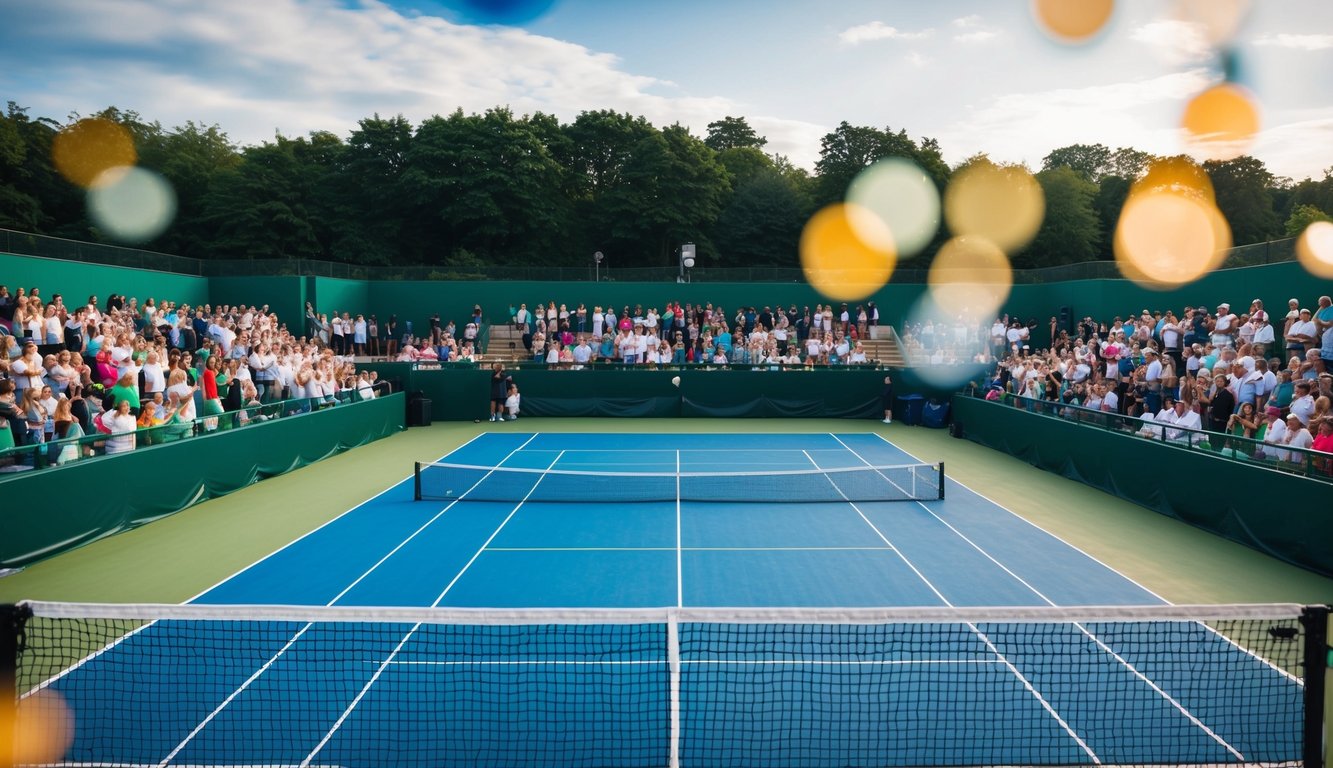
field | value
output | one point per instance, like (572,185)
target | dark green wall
(1277,513)
(331,295)
(284,295)
(77,281)
(183,473)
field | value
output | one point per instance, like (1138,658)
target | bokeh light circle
(1072,21)
(847,252)
(84,150)
(1218,20)
(1175,174)
(505,12)
(41,725)
(956,360)
(132,205)
(1314,249)
(1003,204)
(1221,122)
(1165,239)
(903,197)
(971,276)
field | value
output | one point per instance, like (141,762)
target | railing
(14,461)
(72,250)
(1309,463)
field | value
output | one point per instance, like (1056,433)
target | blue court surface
(700,693)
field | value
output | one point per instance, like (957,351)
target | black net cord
(12,619)
(1318,656)
(941,481)
(416,480)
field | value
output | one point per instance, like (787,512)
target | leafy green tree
(1089,161)
(488,184)
(762,223)
(1109,201)
(732,133)
(744,163)
(848,150)
(1242,189)
(19,209)
(189,157)
(1128,163)
(671,193)
(1070,230)
(264,207)
(1314,193)
(1303,216)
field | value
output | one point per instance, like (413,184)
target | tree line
(464,190)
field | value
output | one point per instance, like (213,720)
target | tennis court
(629,625)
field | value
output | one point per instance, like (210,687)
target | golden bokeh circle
(1221,122)
(970,276)
(847,252)
(1165,239)
(1314,249)
(1175,174)
(1072,21)
(89,147)
(42,727)
(1003,204)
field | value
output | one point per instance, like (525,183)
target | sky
(977,76)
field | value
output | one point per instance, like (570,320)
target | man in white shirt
(1302,402)
(1153,377)
(1184,418)
(1273,434)
(582,353)
(1224,326)
(1302,334)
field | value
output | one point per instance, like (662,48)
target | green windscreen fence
(1281,514)
(123,491)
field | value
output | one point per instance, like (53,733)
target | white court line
(699,662)
(266,665)
(684,549)
(680,571)
(385,664)
(1098,561)
(275,552)
(1027,684)
(1098,641)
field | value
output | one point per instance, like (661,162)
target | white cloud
(915,59)
(295,66)
(1174,42)
(980,36)
(878,30)
(967,21)
(1026,126)
(1297,42)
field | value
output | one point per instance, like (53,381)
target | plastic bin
(909,409)
(418,410)
(935,415)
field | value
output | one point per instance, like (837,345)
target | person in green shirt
(125,390)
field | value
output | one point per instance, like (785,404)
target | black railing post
(1318,657)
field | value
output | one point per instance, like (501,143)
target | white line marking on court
(307,534)
(234,694)
(685,549)
(1027,684)
(680,571)
(385,664)
(698,662)
(1096,640)
(1098,561)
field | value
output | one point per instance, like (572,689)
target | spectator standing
(500,382)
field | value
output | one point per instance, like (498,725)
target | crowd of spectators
(706,334)
(140,373)
(1249,375)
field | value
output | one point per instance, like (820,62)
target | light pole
(686,261)
(597,261)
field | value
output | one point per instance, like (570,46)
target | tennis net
(903,482)
(274,685)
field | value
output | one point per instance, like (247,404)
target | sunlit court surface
(606,629)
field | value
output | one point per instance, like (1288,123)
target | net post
(416,481)
(941,465)
(1318,657)
(12,620)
